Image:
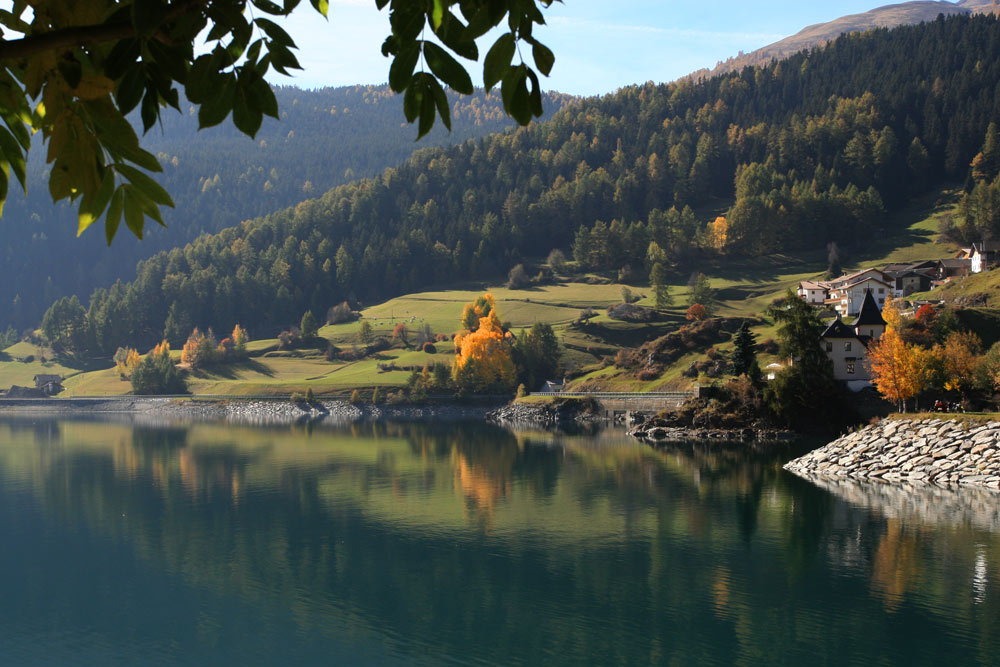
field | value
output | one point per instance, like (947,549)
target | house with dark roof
(985,255)
(847,344)
(48,384)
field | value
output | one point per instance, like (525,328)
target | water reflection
(420,543)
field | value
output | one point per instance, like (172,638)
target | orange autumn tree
(897,369)
(126,359)
(959,357)
(484,361)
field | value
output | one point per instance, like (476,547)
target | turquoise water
(466,544)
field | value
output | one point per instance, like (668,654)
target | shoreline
(939,452)
(238,410)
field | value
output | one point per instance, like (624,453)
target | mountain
(815,149)
(889,16)
(219,177)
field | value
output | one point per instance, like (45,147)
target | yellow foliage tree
(959,358)
(717,233)
(240,339)
(476,311)
(484,361)
(898,370)
(126,359)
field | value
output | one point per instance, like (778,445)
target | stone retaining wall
(935,451)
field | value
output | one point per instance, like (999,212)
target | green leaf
(275,32)
(93,204)
(145,184)
(262,98)
(114,216)
(215,109)
(457,38)
(4,183)
(71,71)
(514,91)
(447,68)
(544,58)
(253,53)
(150,109)
(401,70)
(135,220)
(437,14)
(497,62)
(441,101)
(169,59)
(322,6)
(411,102)
(13,154)
(427,112)
(130,88)
(246,117)
(535,96)
(268,7)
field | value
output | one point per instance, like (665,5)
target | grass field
(745,287)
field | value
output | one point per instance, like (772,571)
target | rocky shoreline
(941,452)
(663,430)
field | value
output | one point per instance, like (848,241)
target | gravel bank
(930,451)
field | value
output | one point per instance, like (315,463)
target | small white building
(814,292)
(984,255)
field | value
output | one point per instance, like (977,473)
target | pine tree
(744,355)
(658,279)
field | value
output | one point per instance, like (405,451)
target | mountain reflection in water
(419,543)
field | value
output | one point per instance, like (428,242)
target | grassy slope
(745,288)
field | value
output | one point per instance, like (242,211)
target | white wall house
(813,291)
(848,299)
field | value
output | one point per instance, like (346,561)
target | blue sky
(599,45)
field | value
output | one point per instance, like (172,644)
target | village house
(847,345)
(984,255)
(814,292)
(847,293)
(49,385)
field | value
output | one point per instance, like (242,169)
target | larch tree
(484,360)
(897,369)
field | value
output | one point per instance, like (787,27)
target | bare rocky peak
(888,16)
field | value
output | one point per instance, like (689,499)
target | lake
(462,543)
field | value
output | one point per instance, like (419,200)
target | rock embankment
(551,414)
(929,451)
(656,429)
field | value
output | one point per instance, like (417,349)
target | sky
(600,46)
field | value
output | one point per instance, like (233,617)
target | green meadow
(744,288)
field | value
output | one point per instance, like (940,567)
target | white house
(814,292)
(984,255)
(847,297)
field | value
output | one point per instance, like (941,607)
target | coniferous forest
(809,150)
(218,178)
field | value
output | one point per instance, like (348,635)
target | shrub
(521,391)
(396,398)
(518,278)
(340,313)
(696,313)
(648,374)
(331,352)
(310,398)
(375,396)
(297,397)
(429,348)
(443,337)
(355,397)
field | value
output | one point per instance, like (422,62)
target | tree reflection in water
(468,542)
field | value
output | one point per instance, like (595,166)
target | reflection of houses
(49,385)
(847,345)
(985,255)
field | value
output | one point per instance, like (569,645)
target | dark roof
(870,315)
(986,246)
(838,329)
(47,378)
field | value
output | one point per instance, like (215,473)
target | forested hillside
(218,178)
(888,16)
(807,151)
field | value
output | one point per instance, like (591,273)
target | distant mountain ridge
(887,16)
